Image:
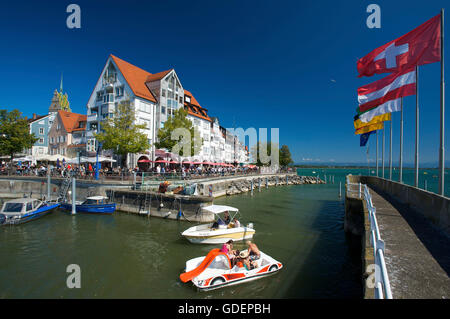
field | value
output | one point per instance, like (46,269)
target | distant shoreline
(361,167)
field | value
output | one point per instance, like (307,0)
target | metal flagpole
(390,148)
(400,162)
(376,134)
(382,155)
(441,148)
(416,181)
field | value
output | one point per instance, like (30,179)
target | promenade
(416,252)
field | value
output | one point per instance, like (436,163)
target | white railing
(382,285)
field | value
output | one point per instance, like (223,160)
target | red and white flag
(390,88)
(419,46)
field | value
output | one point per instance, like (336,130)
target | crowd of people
(87,170)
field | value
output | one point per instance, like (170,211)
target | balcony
(92,117)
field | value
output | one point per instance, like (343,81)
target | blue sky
(285,64)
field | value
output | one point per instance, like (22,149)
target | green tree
(285,156)
(179,135)
(15,133)
(121,133)
(262,152)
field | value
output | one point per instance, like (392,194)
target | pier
(414,226)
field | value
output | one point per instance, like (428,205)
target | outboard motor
(250,225)
(2,219)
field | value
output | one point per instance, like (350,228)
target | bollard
(267,182)
(287,180)
(425,184)
(340,191)
(259,184)
(134,180)
(74,196)
(252,187)
(359,191)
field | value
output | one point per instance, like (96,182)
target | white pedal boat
(214,270)
(205,234)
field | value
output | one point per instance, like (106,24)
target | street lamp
(97,164)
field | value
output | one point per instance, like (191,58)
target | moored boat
(21,210)
(92,205)
(220,231)
(215,270)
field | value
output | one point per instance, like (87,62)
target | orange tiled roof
(157,76)
(194,108)
(71,121)
(136,78)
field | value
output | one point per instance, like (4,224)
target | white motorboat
(219,232)
(215,271)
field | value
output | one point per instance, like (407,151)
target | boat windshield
(12,208)
(220,262)
(90,202)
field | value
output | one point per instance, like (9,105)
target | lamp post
(97,164)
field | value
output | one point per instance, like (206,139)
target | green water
(428,178)
(130,256)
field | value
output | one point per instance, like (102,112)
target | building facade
(154,97)
(67,135)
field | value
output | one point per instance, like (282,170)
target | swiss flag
(419,46)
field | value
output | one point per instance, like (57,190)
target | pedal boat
(22,210)
(214,270)
(206,234)
(93,205)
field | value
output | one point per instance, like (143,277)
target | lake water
(130,256)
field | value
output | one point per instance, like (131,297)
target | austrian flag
(387,89)
(419,46)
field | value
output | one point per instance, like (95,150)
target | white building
(155,97)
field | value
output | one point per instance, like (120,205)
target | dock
(414,226)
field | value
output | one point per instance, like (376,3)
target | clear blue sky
(285,64)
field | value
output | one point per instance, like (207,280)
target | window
(41,140)
(41,131)
(181,99)
(119,91)
(163,109)
(188,99)
(163,92)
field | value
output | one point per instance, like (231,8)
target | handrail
(382,284)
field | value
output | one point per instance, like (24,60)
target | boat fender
(179,214)
(167,215)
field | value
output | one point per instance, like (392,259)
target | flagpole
(376,134)
(390,148)
(400,162)
(416,180)
(441,148)
(382,155)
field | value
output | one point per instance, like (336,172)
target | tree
(262,152)
(15,133)
(285,156)
(121,134)
(179,135)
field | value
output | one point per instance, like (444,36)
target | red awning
(144,161)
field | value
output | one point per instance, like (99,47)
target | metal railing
(382,284)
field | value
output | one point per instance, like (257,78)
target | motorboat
(215,270)
(93,205)
(220,231)
(21,210)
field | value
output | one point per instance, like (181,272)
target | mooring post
(287,180)
(425,184)
(74,196)
(267,182)
(276,181)
(340,191)
(48,184)
(359,191)
(134,180)
(259,184)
